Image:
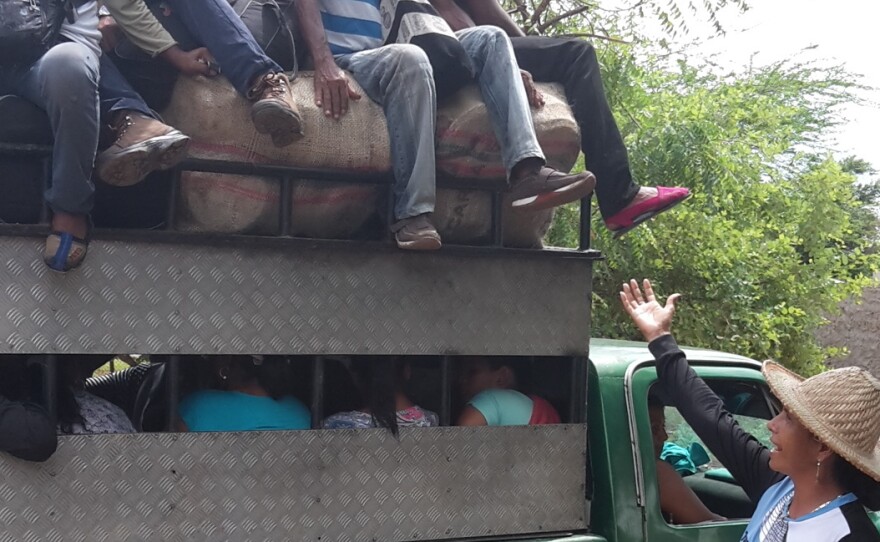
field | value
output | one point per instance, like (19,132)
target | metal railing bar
(497,219)
(171,213)
(585,223)
(172,392)
(285,206)
(50,387)
(47,175)
(445,391)
(317,392)
(304,243)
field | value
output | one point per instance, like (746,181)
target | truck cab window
(684,453)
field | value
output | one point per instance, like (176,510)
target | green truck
(182,298)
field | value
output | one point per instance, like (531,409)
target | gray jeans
(64,82)
(399,77)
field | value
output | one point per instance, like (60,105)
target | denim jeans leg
(573,62)
(503,93)
(64,82)
(400,79)
(117,94)
(216,26)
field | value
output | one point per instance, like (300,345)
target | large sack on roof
(221,129)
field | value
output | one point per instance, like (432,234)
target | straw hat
(840,407)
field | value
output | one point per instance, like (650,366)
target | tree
(592,18)
(777,232)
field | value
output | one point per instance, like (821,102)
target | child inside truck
(380,382)
(489,387)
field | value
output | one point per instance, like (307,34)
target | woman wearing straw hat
(824,469)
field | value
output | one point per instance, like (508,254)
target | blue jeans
(64,82)
(215,25)
(399,77)
(117,94)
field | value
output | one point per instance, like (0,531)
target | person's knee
(68,69)
(581,51)
(408,58)
(491,34)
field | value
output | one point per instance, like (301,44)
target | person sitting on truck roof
(218,28)
(81,412)
(26,430)
(242,399)
(380,381)
(572,62)
(348,34)
(489,386)
(824,468)
(678,502)
(64,82)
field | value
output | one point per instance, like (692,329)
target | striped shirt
(352,25)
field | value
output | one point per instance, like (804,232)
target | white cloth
(84,28)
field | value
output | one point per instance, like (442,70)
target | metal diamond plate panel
(442,483)
(161,298)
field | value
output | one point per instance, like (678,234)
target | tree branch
(561,17)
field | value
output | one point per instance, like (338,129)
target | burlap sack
(218,203)
(466,147)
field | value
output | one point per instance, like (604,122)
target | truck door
(745,394)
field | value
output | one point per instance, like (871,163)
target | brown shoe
(142,145)
(416,233)
(549,188)
(275,111)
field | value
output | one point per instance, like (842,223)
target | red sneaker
(632,216)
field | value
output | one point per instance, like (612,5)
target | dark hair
(379,379)
(865,488)
(521,369)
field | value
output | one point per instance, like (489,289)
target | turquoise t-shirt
(216,410)
(503,407)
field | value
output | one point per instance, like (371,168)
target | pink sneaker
(630,217)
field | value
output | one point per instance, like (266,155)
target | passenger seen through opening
(244,397)
(489,386)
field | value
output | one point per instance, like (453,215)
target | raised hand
(652,319)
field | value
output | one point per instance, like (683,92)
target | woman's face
(795,450)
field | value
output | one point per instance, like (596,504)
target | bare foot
(77,225)
(645,193)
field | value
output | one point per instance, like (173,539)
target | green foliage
(776,234)
(592,17)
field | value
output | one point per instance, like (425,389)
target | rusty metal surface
(343,485)
(137,297)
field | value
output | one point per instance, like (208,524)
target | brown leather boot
(143,144)
(274,111)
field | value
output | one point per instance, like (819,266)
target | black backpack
(31,27)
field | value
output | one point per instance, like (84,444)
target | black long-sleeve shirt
(26,430)
(744,456)
(747,459)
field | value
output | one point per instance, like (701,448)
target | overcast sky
(843,31)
